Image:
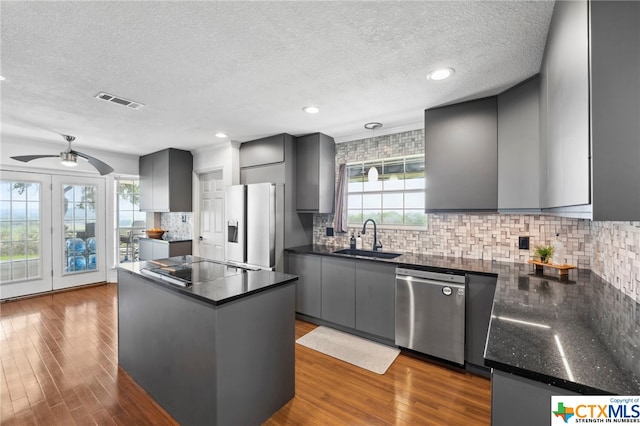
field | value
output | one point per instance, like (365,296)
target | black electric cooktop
(189,272)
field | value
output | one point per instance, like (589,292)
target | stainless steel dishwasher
(430,313)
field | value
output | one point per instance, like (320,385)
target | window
(79,228)
(131,221)
(20,242)
(389,191)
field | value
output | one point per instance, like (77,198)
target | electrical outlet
(523,243)
(329,232)
(184,218)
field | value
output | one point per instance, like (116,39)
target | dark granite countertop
(168,240)
(231,283)
(409,259)
(582,334)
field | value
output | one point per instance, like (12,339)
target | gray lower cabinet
(339,291)
(150,249)
(375,298)
(480,292)
(461,157)
(309,286)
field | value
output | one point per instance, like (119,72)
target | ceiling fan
(69,158)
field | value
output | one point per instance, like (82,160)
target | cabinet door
(308,287)
(145,165)
(262,151)
(519,147)
(145,249)
(566,69)
(181,182)
(179,248)
(375,298)
(160,250)
(480,292)
(461,157)
(160,177)
(615,109)
(315,173)
(338,291)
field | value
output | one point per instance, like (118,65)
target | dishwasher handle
(429,282)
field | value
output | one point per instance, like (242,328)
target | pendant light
(372,174)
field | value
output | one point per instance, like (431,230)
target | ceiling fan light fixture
(68,159)
(440,74)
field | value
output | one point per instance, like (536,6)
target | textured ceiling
(248,68)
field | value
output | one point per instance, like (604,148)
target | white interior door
(79,232)
(211,239)
(25,234)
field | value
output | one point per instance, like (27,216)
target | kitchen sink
(368,253)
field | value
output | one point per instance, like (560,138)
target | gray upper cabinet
(315,173)
(166,181)
(461,157)
(565,79)
(519,148)
(615,110)
(375,298)
(589,114)
(269,150)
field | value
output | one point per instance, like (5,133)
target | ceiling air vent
(118,100)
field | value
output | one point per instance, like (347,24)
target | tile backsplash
(486,236)
(178,224)
(616,255)
(609,249)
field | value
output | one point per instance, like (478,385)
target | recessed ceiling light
(440,74)
(311,109)
(2,78)
(373,125)
(221,135)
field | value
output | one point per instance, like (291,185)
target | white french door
(25,234)
(52,232)
(79,232)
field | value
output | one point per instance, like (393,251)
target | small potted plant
(544,253)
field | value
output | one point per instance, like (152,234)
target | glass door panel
(80,235)
(25,234)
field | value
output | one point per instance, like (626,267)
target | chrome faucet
(376,244)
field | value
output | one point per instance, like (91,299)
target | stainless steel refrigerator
(254,225)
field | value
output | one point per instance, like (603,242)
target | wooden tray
(563,270)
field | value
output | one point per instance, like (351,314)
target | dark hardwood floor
(59,367)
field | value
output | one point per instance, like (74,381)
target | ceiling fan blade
(26,158)
(102,167)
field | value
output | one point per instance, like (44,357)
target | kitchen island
(218,351)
